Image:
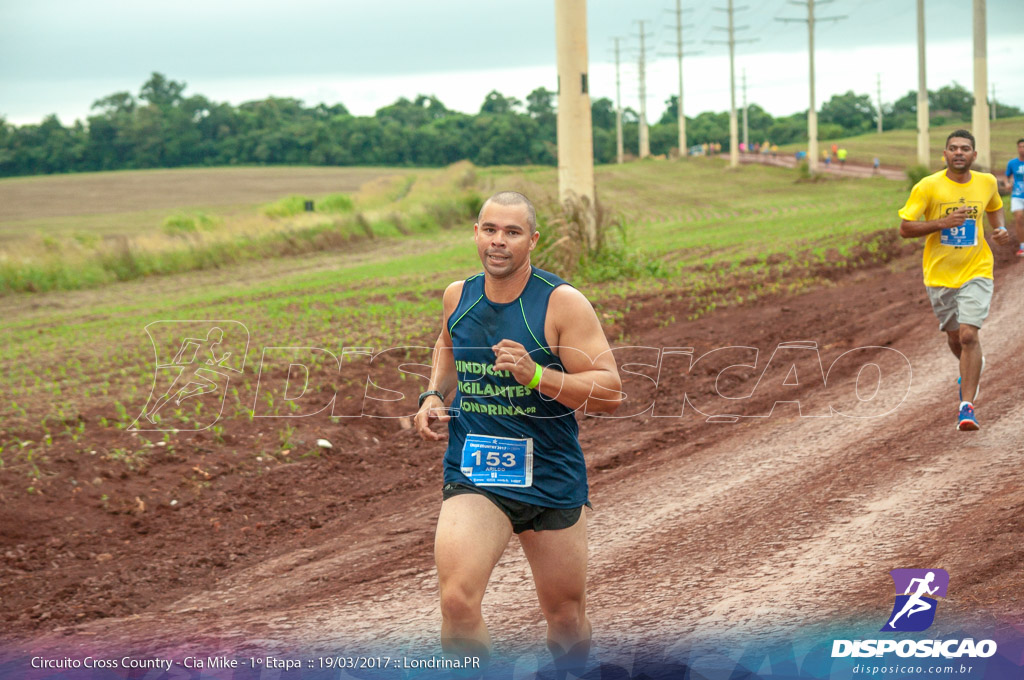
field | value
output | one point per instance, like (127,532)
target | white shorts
(1016,204)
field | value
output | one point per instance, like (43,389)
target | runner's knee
(968,335)
(459,603)
(567,616)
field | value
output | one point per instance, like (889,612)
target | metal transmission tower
(575,132)
(645,140)
(979,113)
(734,142)
(812,111)
(679,12)
(922,92)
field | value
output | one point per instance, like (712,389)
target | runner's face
(503,238)
(959,153)
(1020,150)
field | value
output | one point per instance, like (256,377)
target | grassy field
(136,224)
(78,363)
(899,147)
(134,202)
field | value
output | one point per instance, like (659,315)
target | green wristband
(536,377)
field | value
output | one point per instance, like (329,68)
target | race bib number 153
(498,461)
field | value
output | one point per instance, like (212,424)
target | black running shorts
(523,516)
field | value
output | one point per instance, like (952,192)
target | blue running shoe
(977,390)
(967,420)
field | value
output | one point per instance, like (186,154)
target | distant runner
(521,350)
(957,259)
(1015,180)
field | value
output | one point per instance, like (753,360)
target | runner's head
(1020,148)
(961,150)
(506,233)
(512,198)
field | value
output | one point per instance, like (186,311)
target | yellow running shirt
(952,257)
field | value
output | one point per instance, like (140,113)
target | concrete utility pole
(879,103)
(922,93)
(575,133)
(679,56)
(734,141)
(746,130)
(618,108)
(812,111)
(979,113)
(645,141)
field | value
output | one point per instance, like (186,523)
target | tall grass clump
(564,248)
(186,224)
(916,173)
(290,206)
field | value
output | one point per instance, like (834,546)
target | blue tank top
(489,401)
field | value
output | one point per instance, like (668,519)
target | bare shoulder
(568,300)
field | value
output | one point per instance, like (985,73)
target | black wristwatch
(428,393)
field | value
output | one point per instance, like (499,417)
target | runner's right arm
(443,376)
(914,229)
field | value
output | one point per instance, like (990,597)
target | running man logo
(914,609)
(195,362)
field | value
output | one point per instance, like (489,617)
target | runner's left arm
(591,377)
(999,233)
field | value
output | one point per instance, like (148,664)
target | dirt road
(834,169)
(789,517)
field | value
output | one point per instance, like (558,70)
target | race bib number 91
(966,235)
(498,461)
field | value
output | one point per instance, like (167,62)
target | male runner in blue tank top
(521,350)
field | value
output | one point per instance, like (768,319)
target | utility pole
(879,103)
(645,142)
(979,113)
(746,130)
(922,93)
(575,132)
(812,111)
(679,56)
(618,108)
(734,142)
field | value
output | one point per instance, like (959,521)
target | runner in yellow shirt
(957,259)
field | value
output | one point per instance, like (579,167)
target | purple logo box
(901,579)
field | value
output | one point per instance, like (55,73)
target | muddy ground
(787,516)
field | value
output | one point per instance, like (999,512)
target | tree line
(163,127)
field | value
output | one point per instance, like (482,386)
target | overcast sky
(59,56)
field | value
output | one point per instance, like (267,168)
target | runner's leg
(472,533)
(558,559)
(953,337)
(970,360)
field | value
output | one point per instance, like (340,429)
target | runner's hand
(957,217)
(510,356)
(1002,237)
(432,409)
